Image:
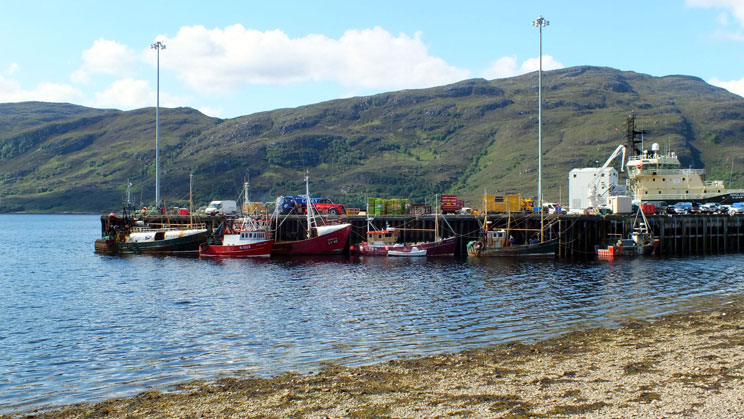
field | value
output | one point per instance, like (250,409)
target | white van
(222,208)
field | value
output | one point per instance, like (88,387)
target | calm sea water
(76,326)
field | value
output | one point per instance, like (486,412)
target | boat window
(160,235)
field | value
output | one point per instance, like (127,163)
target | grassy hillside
(461,138)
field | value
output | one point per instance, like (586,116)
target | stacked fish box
(380,206)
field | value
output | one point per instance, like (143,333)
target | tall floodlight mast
(539,23)
(157,46)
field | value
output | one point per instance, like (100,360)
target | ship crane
(593,190)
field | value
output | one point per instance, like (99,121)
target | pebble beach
(681,365)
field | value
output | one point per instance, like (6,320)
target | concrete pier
(680,235)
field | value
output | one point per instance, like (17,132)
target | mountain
(462,138)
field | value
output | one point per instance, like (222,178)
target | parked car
(553,208)
(737,208)
(710,208)
(686,208)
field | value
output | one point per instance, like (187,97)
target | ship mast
(633,137)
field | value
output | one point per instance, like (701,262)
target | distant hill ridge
(462,138)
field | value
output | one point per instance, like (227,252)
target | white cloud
(734,86)
(11,91)
(508,66)
(126,94)
(723,19)
(213,112)
(729,36)
(12,69)
(105,57)
(223,60)
(736,6)
(129,93)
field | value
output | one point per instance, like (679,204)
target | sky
(229,59)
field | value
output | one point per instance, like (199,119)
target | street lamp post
(157,46)
(539,23)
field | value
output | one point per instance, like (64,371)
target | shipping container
(503,203)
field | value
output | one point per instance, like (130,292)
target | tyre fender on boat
(474,247)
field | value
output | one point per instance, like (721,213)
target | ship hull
(445,247)
(184,244)
(330,243)
(612,252)
(260,249)
(545,249)
(725,198)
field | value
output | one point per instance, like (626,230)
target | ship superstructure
(653,176)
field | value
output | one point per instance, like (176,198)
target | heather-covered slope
(461,138)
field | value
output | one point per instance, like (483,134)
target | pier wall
(680,235)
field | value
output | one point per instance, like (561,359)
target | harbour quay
(679,235)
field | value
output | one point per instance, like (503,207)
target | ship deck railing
(659,172)
(168,227)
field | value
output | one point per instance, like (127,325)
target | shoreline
(687,364)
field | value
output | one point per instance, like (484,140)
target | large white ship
(653,176)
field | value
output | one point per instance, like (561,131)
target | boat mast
(191,199)
(436,218)
(129,193)
(309,207)
(245,197)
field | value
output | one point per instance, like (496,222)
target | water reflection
(110,326)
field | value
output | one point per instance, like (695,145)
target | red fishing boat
(640,243)
(248,240)
(385,243)
(322,240)
(319,239)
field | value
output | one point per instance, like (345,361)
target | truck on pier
(449,204)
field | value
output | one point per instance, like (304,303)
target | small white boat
(414,251)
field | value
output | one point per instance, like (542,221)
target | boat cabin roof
(390,231)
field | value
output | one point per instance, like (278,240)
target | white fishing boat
(412,252)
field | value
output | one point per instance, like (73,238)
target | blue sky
(229,59)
